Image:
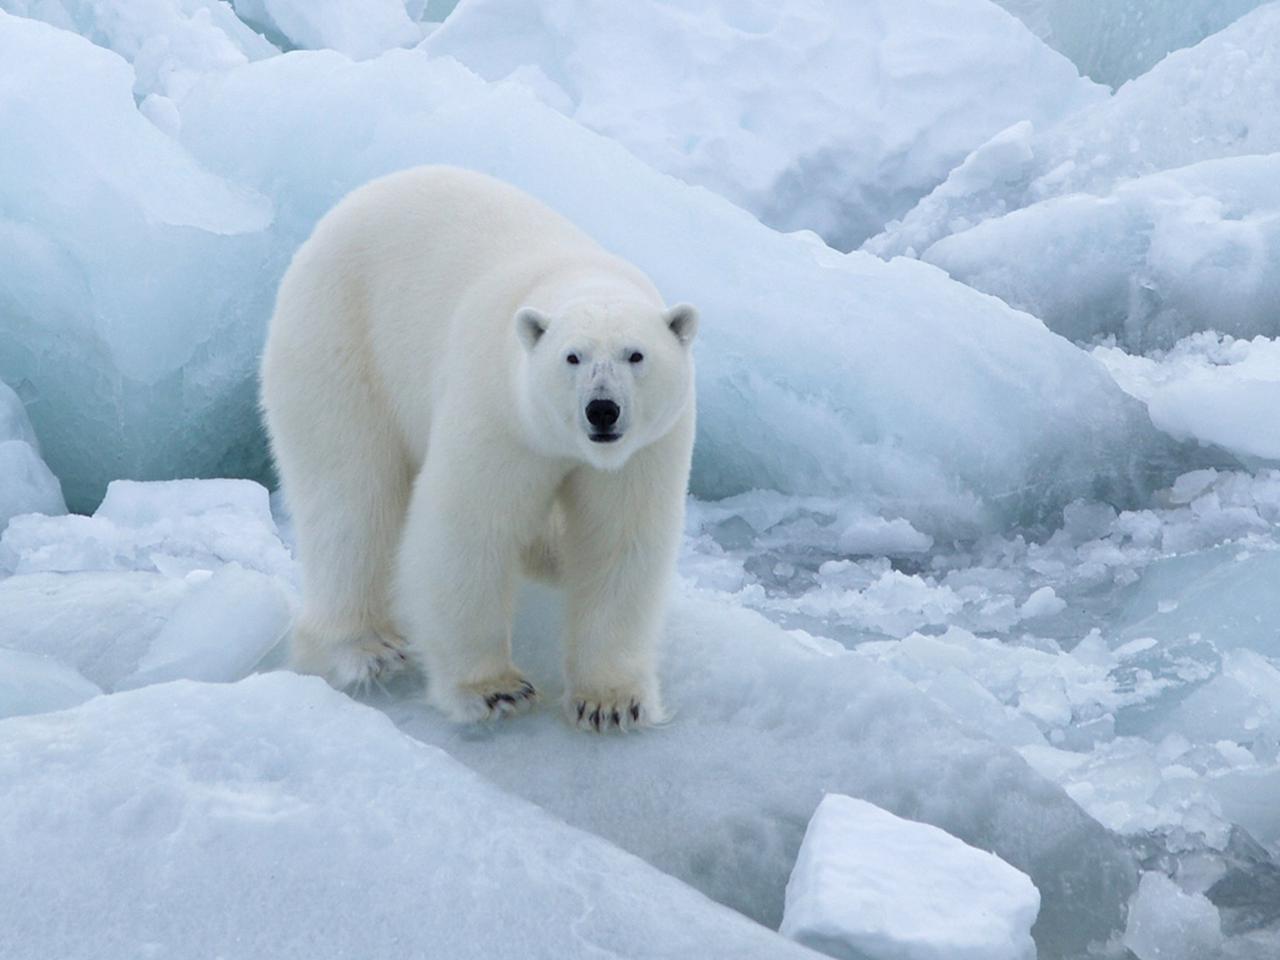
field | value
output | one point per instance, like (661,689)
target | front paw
(492,699)
(621,709)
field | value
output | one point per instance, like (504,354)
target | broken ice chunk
(869,884)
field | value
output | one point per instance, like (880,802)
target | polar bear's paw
(504,695)
(367,659)
(603,711)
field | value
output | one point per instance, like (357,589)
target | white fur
(432,439)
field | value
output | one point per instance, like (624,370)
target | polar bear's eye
(572,359)
(636,357)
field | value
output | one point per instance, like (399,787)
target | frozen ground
(1010,575)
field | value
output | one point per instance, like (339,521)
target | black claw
(595,718)
(526,689)
(582,708)
(491,700)
(615,718)
(635,712)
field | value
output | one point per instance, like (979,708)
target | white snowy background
(984,537)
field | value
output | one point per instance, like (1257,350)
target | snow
(941,559)
(723,94)
(867,884)
(1212,388)
(207,820)
(1118,40)
(765,721)
(27,485)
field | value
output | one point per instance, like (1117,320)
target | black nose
(602,414)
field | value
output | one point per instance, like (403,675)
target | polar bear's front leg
(456,583)
(622,533)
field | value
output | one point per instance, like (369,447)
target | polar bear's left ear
(682,319)
(531,324)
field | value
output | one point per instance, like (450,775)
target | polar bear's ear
(683,321)
(531,324)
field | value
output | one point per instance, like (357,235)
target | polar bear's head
(601,379)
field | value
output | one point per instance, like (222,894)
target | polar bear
(460,385)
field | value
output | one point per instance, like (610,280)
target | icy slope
(114,304)
(1215,389)
(1116,40)
(835,117)
(170,43)
(26,483)
(1212,101)
(1155,259)
(276,818)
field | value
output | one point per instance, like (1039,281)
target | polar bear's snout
(603,415)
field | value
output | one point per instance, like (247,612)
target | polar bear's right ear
(531,324)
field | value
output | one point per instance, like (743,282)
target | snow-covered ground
(1010,575)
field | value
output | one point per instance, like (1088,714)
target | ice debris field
(975,649)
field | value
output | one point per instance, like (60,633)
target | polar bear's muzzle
(602,415)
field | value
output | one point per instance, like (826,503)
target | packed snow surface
(867,884)
(832,117)
(275,818)
(766,722)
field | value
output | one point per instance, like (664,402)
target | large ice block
(834,117)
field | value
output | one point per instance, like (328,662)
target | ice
(170,43)
(1210,102)
(120,377)
(830,117)
(814,404)
(1117,40)
(275,816)
(30,683)
(1167,924)
(820,374)
(765,723)
(232,602)
(867,884)
(1155,259)
(178,579)
(360,29)
(1211,388)
(173,527)
(27,485)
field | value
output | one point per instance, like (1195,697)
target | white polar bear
(459,383)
